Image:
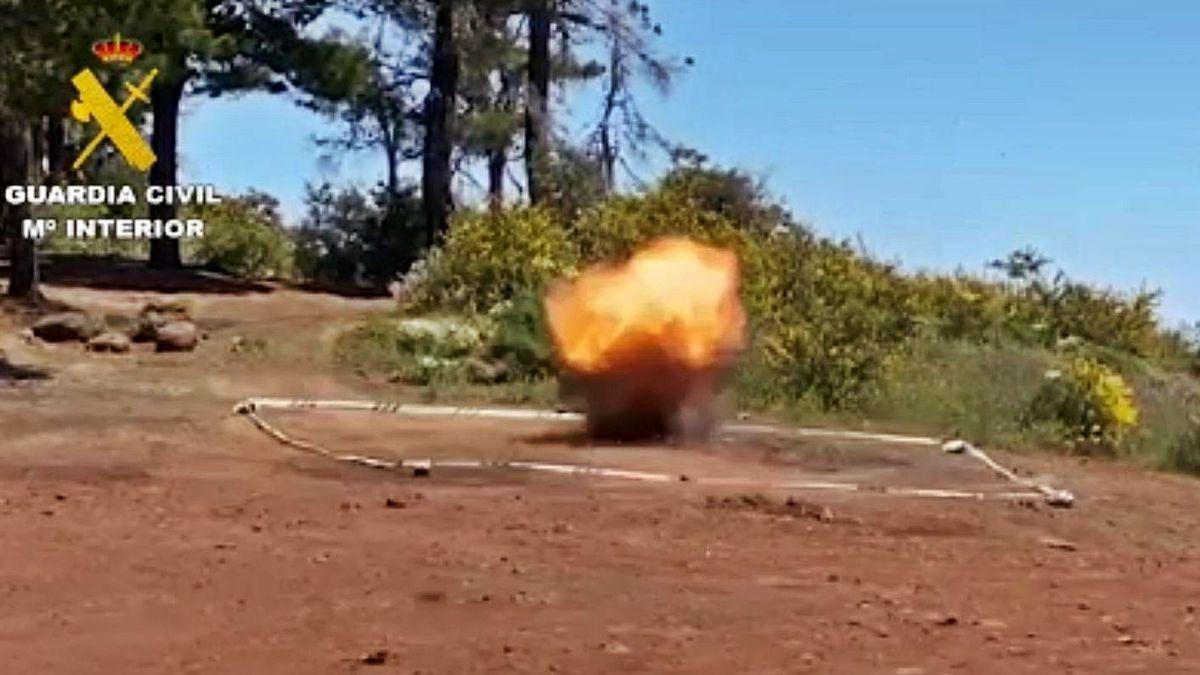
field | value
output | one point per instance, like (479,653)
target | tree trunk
(165,98)
(56,147)
(608,149)
(497,160)
(537,104)
(505,102)
(393,170)
(15,170)
(439,122)
(37,150)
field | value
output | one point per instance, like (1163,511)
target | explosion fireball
(647,340)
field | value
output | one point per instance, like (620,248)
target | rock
(176,336)
(144,329)
(377,657)
(484,371)
(615,647)
(111,342)
(1060,544)
(177,310)
(941,619)
(155,315)
(67,327)
(253,346)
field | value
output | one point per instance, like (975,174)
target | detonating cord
(251,407)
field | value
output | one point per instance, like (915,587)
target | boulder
(487,371)
(155,315)
(176,336)
(67,327)
(110,341)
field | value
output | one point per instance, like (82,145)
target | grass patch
(1184,454)
(1169,435)
(977,391)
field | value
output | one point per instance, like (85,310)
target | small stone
(615,647)
(1060,544)
(431,596)
(110,342)
(377,657)
(941,619)
(394,503)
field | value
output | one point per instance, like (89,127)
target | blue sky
(943,134)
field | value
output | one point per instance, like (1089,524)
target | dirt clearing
(148,529)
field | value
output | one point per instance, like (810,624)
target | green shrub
(613,229)
(828,322)
(413,350)
(490,257)
(58,241)
(354,238)
(961,307)
(1091,402)
(1184,454)
(242,236)
(521,338)
(730,193)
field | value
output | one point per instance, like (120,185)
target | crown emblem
(117,51)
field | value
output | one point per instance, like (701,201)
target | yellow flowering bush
(1091,401)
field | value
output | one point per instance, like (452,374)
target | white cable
(250,407)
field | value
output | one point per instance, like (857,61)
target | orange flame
(675,302)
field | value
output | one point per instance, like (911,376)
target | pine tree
(210,47)
(439,117)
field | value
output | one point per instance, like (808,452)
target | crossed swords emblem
(95,103)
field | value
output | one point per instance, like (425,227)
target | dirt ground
(148,529)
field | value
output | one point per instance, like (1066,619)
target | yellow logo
(94,103)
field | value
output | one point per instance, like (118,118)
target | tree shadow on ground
(341,290)
(126,274)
